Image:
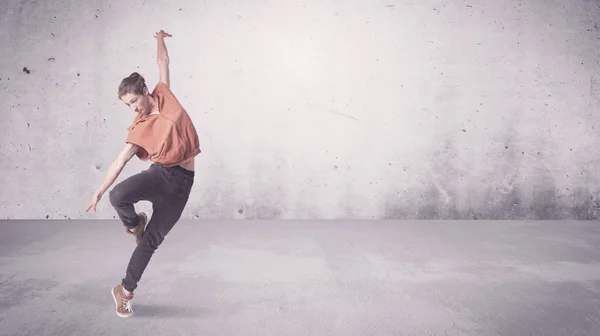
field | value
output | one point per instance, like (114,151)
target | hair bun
(134,83)
(137,77)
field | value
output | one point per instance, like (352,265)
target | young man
(162,132)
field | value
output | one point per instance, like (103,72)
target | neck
(151,108)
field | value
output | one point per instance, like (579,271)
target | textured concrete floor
(306,278)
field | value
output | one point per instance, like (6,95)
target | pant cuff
(135,223)
(128,288)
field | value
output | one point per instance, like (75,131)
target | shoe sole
(112,293)
(144,229)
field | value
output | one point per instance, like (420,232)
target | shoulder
(162,92)
(135,120)
(162,88)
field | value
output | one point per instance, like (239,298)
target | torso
(189,165)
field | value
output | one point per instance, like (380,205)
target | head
(134,93)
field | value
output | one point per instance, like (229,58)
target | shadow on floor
(162,310)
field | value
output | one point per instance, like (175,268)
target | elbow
(162,60)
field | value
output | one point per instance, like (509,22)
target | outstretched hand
(92,205)
(161,34)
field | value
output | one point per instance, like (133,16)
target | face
(137,103)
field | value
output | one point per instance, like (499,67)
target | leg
(168,190)
(163,219)
(139,187)
(167,209)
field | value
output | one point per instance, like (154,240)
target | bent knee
(115,195)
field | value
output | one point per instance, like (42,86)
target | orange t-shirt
(167,138)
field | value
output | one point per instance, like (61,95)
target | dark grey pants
(168,190)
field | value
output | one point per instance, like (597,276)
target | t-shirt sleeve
(134,138)
(162,90)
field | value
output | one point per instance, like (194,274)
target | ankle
(126,292)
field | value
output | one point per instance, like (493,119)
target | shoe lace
(127,304)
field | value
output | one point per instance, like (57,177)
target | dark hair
(135,83)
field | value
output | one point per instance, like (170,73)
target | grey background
(313,109)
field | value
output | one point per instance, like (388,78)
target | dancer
(164,133)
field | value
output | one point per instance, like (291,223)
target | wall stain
(267,190)
(396,206)
(594,91)
(517,176)
(220,198)
(585,204)
(333,111)
(435,205)
(429,204)
(544,200)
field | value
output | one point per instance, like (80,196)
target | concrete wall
(314,109)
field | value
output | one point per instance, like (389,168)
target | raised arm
(162,57)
